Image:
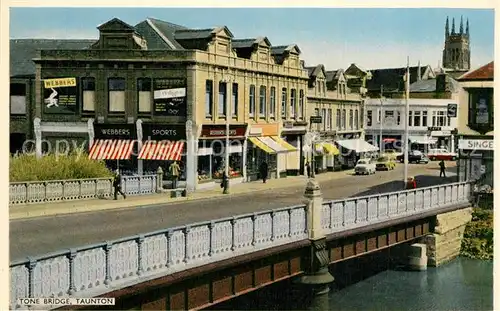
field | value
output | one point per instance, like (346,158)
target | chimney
(441,83)
(419,72)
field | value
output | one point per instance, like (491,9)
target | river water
(461,285)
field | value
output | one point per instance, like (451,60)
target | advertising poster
(60,96)
(169,97)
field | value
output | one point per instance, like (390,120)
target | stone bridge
(202,264)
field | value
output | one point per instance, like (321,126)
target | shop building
(336,117)
(475,125)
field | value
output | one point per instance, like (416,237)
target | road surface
(38,236)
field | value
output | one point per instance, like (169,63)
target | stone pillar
(139,146)
(417,257)
(444,244)
(317,276)
(191,157)
(38,137)
(90,129)
(452,143)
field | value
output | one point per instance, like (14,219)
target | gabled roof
(485,72)
(392,79)
(332,75)
(353,69)
(429,85)
(315,70)
(247,43)
(159,34)
(281,49)
(22,51)
(115,24)
(193,34)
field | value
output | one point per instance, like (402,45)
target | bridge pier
(444,244)
(317,278)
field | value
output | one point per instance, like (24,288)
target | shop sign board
(173,132)
(115,131)
(60,96)
(219,131)
(476,144)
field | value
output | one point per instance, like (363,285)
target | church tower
(456,53)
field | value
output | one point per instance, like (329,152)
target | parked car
(424,159)
(390,153)
(414,156)
(385,163)
(365,167)
(441,154)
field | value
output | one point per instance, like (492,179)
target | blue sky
(335,37)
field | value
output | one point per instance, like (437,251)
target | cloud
(56,34)
(335,55)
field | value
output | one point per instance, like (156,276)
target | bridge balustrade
(97,269)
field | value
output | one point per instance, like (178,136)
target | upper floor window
(293,102)
(398,118)
(262,101)
(344,114)
(272,102)
(356,119)
(338,122)
(416,118)
(234,100)
(283,102)
(300,109)
(323,118)
(441,118)
(369,116)
(251,101)
(481,108)
(209,98)
(18,98)
(329,120)
(424,118)
(116,94)
(410,118)
(222,102)
(351,119)
(143,95)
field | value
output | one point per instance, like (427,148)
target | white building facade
(432,123)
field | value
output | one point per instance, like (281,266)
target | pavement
(88,222)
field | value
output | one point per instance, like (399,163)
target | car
(414,156)
(441,154)
(390,153)
(424,159)
(365,167)
(385,163)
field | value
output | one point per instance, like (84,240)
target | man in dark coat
(263,171)
(117,185)
(442,169)
(308,169)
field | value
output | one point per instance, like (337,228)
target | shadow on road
(398,185)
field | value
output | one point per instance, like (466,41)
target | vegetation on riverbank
(478,237)
(77,165)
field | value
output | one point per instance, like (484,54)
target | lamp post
(407,104)
(228,119)
(381,117)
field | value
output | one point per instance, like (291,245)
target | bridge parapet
(102,268)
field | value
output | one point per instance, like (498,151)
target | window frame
(209,91)
(124,80)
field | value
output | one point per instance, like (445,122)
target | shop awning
(330,149)
(273,144)
(423,140)
(111,149)
(357,145)
(261,145)
(161,150)
(283,143)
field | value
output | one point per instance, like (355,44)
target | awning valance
(111,149)
(256,142)
(423,140)
(330,149)
(283,143)
(357,145)
(273,144)
(161,150)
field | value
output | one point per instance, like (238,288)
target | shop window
(293,102)
(369,117)
(144,95)
(416,118)
(424,118)
(209,98)
(252,101)
(18,98)
(300,112)
(338,120)
(222,99)
(234,101)
(262,101)
(351,117)
(283,102)
(116,95)
(481,107)
(272,102)
(356,119)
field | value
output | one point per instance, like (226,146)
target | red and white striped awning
(161,150)
(111,149)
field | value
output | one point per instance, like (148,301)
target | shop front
(116,144)
(476,159)
(162,144)
(212,153)
(293,133)
(422,142)
(325,154)
(351,150)
(265,146)
(443,138)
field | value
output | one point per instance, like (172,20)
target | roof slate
(155,41)
(485,72)
(22,51)
(392,78)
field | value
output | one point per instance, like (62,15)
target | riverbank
(478,237)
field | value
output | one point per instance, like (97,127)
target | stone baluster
(140,253)
(273,227)
(170,262)
(290,222)
(31,270)
(233,234)
(211,245)
(107,249)
(187,249)
(72,271)
(254,231)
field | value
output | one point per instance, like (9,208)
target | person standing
(117,185)
(308,169)
(442,169)
(174,170)
(263,171)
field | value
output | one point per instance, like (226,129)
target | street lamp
(228,119)
(407,102)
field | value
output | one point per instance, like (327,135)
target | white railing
(78,189)
(97,269)
(341,215)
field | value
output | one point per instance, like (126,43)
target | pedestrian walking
(308,169)
(224,183)
(442,169)
(117,185)
(174,170)
(263,171)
